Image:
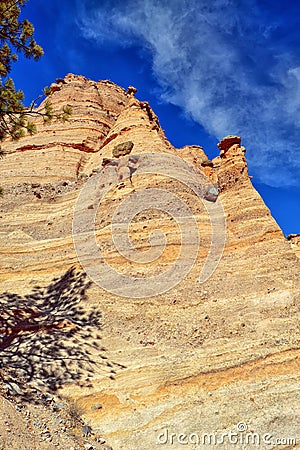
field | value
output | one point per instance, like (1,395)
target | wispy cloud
(232,65)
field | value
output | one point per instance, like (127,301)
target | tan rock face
(231,165)
(200,357)
(62,147)
(294,240)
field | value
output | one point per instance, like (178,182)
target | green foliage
(47,91)
(31,128)
(67,111)
(48,111)
(48,114)
(16,36)
(10,101)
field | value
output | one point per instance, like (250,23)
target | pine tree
(16,36)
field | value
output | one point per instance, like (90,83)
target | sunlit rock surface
(201,357)
(294,240)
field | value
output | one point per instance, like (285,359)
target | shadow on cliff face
(48,339)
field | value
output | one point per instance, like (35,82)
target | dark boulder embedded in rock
(122,149)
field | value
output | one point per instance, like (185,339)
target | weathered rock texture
(295,243)
(200,358)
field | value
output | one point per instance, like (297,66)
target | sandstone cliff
(200,357)
(294,240)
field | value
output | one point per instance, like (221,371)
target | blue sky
(208,68)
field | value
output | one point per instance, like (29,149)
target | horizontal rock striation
(294,240)
(61,147)
(200,357)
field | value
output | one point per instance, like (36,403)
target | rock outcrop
(200,357)
(294,240)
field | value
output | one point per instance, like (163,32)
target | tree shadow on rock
(47,339)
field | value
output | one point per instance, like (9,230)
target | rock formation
(199,358)
(294,240)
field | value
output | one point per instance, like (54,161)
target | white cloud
(217,61)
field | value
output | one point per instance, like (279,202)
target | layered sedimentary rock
(294,240)
(62,147)
(201,357)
